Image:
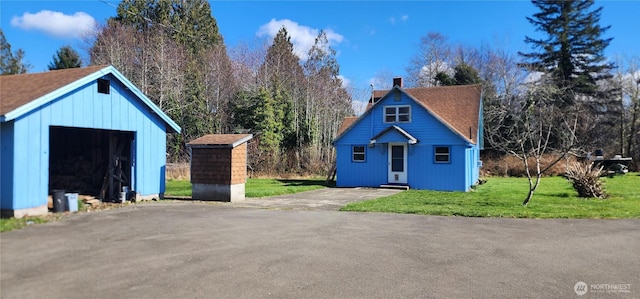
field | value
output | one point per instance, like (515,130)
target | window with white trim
(442,154)
(397,114)
(358,153)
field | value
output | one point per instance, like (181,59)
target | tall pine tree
(571,52)
(65,58)
(11,63)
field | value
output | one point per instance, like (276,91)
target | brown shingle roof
(346,122)
(456,106)
(18,90)
(230,140)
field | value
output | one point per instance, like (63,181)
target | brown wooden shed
(219,167)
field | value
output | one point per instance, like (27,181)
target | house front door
(397,163)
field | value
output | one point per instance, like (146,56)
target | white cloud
(56,23)
(403,18)
(345,82)
(302,37)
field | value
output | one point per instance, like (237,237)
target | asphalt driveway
(326,199)
(209,250)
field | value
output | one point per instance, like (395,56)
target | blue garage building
(86,130)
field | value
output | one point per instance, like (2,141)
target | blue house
(85,130)
(423,138)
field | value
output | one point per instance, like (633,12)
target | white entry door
(397,163)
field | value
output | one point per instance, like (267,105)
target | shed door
(397,163)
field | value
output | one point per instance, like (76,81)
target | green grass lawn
(502,197)
(7,224)
(256,187)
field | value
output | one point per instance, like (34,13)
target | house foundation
(218,192)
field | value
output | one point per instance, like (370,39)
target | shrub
(586,179)
(510,166)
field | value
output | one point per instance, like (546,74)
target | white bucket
(72,201)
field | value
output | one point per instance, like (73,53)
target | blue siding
(25,141)
(425,173)
(6,165)
(422,171)
(371,173)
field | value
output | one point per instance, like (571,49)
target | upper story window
(103,86)
(397,114)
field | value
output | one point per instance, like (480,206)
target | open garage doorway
(90,161)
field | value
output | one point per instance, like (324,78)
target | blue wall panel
(7,160)
(371,173)
(28,136)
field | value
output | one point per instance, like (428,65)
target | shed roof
(220,140)
(458,107)
(20,94)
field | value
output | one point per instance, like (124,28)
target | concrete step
(394,186)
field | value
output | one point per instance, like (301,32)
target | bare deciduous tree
(530,127)
(433,57)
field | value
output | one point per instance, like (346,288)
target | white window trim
(363,153)
(396,114)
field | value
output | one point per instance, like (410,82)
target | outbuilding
(219,167)
(87,130)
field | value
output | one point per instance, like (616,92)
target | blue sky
(369,36)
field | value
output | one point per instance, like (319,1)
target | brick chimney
(397,81)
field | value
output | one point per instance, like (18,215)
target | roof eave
(368,111)
(227,145)
(409,137)
(28,107)
(173,126)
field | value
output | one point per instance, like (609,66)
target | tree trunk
(532,186)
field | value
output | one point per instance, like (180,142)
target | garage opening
(90,161)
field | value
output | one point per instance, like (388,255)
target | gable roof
(457,107)
(403,133)
(220,140)
(20,94)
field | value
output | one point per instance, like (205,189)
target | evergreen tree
(11,63)
(281,65)
(269,116)
(571,52)
(65,58)
(464,74)
(176,56)
(282,75)
(188,22)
